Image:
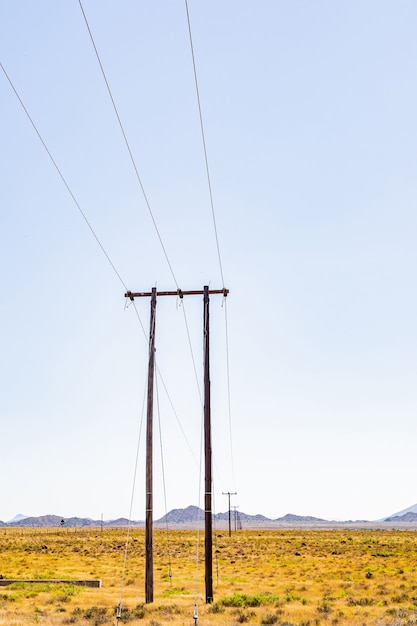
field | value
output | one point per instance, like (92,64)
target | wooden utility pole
(235,514)
(207,454)
(149,456)
(229,494)
(207,436)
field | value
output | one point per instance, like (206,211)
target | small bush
(324,609)
(269,618)
(169,609)
(128,615)
(215,608)
(403,597)
(97,615)
(360,601)
(242,617)
(7,597)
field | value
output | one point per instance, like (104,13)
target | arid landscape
(303,577)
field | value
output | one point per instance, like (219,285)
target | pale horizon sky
(311,136)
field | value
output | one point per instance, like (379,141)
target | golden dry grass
(284,577)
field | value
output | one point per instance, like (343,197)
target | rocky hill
(43,521)
(56,521)
(409,517)
(290,518)
(406,515)
(193,515)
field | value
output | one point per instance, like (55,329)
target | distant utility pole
(229,494)
(235,514)
(207,438)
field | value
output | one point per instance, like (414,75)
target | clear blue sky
(309,111)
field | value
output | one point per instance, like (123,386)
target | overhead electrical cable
(215,228)
(146,201)
(228,392)
(137,171)
(197,545)
(192,354)
(204,142)
(62,177)
(215,233)
(128,146)
(119,606)
(176,416)
(163,481)
(147,204)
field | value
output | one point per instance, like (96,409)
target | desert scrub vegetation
(284,577)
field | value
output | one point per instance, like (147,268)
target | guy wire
(163,481)
(131,502)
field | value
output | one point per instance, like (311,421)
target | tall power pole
(149,456)
(229,494)
(208,515)
(207,437)
(235,515)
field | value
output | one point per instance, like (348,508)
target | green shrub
(242,600)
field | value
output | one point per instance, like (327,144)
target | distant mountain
(242,517)
(78,522)
(193,515)
(17,518)
(44,521)
(290,518)
(120,521)
(404,515)
(407,517)
(56,521)
(190,515)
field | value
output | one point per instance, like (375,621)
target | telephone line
(127,145)
(141,184)
(62,176)
(204,142)
(229,403)
(214,219)
(179,292)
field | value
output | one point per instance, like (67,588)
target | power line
(180,293)
(204,142)
(214,225)
(137,172)
(228,390)
(127,145)
(62,176)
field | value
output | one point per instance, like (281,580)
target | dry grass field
(283,577)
